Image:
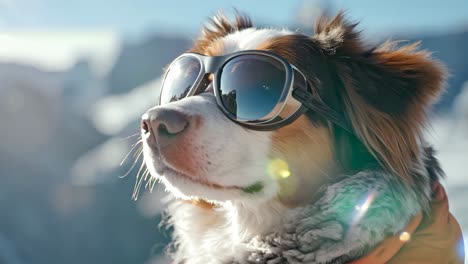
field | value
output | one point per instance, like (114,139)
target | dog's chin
(187,188)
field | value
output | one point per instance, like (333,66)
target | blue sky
(186,16)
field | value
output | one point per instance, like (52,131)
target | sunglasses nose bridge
(213,64)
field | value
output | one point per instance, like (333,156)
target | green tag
(253,188)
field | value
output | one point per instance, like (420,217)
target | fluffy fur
(344,223)
(346,192)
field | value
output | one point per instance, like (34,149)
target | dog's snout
(164,124)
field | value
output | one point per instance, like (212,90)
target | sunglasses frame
(300,95)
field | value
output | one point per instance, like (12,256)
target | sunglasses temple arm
(317,106)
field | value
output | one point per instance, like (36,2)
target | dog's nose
(164,125)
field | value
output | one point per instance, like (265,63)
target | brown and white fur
(343,195)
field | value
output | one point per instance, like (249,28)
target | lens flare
(284,173)
(278,168)
(360,210)
(405,236)
(362,207)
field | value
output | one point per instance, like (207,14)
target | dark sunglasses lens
(251,86)
(180,78)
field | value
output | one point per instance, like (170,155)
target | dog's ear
(385,91)
(218,27)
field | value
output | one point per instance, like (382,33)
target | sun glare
(405,236)
(279,168)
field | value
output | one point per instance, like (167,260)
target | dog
(330,185)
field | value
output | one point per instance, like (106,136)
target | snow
(59,50)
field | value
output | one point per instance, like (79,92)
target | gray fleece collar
(352,216)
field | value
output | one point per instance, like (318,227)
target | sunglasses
(257,89)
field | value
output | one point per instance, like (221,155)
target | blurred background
(75,76)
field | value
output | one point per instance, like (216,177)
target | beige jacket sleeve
(428,239)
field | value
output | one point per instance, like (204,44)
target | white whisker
(131,136)
(130,151)
(139,180)
(134,164)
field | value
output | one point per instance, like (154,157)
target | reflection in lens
(180,77)
(230,101)
(251,86)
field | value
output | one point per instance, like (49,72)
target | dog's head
(383,92)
